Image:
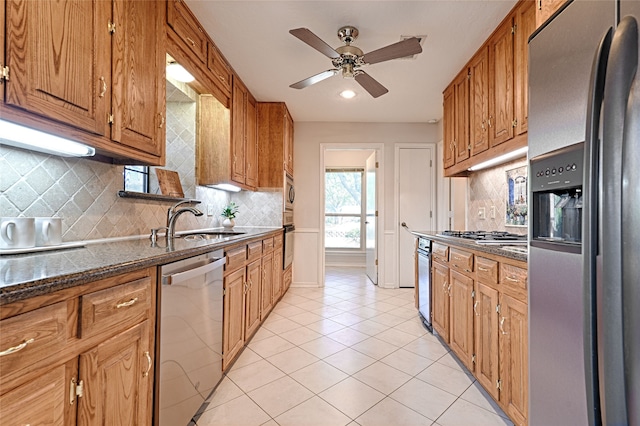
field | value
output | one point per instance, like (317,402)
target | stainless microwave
(289,193)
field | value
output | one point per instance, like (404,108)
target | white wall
(307,139)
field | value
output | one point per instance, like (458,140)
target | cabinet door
(486,338)
(238,136)
(441,300)
(118,380)
(501,85)
(462,116)
(479,102)
(252,298)
(2,36)
(514,346)
(138,54)
(288,142)
(58,59)
(461,309)
(277,274)
(43,401)
(251,146)
(546,8)
(267,284)
(449,126)
(233,321)
(525,24)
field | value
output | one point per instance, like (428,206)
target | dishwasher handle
(179,277)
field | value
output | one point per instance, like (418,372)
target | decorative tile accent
(488,188)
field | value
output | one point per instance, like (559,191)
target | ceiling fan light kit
(348,59)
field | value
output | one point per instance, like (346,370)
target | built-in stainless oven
(423,253)
(288,245)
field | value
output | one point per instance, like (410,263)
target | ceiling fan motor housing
(348,34)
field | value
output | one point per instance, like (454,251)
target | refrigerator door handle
(621,69)
(631,245)
(590,224)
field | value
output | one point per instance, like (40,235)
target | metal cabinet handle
(514,280)
(444,287)
(161,121)
(449,289)
(193,43)
(480,268)
(127,304)
(17,348)
(149,364)
(489,121)
(104,87)
(502,326)
(475,305)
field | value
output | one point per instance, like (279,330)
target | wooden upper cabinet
(275,144)
(186,27)
(461,84)
(525,24)
(546,8)
(58,59)
(213,141)
(2,36)
(238,136)
(479,101)
(449,126)
(138,70)
(221,70)
(251,142)
(501,111)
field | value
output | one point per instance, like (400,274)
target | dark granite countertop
(28,275)
(498,250)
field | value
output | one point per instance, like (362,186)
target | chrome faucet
(173,213)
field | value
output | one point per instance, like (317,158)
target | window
(344,209)
(136,178)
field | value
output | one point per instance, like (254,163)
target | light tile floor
(350,353)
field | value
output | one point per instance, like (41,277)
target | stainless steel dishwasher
(190,336)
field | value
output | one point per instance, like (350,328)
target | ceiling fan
(349,59)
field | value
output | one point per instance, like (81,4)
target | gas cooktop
(487,237)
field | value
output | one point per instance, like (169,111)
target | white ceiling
(254,37)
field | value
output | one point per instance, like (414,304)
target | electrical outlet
(481,213)
(209,209)
(492,212)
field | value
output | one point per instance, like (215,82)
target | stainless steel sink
(210,235)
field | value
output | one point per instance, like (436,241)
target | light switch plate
(481,213)
(209,209)
(492,212)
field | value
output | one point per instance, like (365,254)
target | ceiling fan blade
(371,85)
(408,47)
(314,79)
(305,35)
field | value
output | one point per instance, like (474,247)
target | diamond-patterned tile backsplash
(83,192)
(488,188)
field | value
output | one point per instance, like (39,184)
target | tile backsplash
(489,188)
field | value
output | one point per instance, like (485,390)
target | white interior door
(371,222)
(415,205)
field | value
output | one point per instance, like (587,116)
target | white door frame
(396,201)
(379,148)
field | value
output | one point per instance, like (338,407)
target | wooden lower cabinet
(514,348)
(267,285)
(53,373)
(233,340)
(486,338)
(441,300)
(461,325)
(252,298)
(118,380)
(277,274)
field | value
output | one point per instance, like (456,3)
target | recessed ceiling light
(347,94)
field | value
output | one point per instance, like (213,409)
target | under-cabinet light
(36,140)
(499,160)
(178,72)
(226,187)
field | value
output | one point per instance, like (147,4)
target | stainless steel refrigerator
(584,175)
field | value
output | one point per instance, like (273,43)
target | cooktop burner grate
(485,235)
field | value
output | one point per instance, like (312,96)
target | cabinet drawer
(186,28)
(254,251)
(267,245)
(440,252)
(277,241)
(115,308)
(486,270)
(514,278)
(235,258)
(218,66)
(461,260)
(31,337)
